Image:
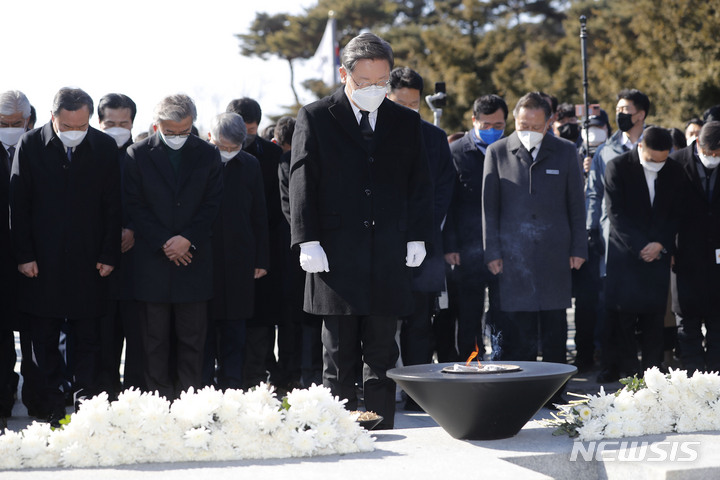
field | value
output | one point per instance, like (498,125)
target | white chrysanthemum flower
(365,443)
(32,444)
(625,401)
(686,424)
(197,438)
(601,402)
(613,430)
(303,443)
(269,418)
(645,399)
(76,456)
(592,430)
(655,380)
(325,434)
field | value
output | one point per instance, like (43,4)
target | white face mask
(11,136)
(529,138)
(225,156)
(72,138)
(175,142)
(120,134)
(369,98)
(709,162)
(597,136)
(652,166)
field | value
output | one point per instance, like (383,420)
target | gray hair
(71,99)
(229,126)
(175,108)
(14,101)
(709,137)
(366,46)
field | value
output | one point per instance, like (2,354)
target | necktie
(365,127)
(625,148)
(11,155)
(525,155)
(69,154)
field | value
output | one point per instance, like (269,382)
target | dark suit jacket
(363,203)
(161,205)
(696,273)
(632,284)
(463,228)
(240,239)
(66,217)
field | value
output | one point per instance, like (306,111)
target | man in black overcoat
(121,325)
(14,115)
(65,217)
(240,253)
(416,332)
(173,188)
(361,212)
(696,269)
(643,191)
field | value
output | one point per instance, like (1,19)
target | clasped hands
(177,250)
(314,260)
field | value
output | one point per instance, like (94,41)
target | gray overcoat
(534,220)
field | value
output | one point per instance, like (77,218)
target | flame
(473,355)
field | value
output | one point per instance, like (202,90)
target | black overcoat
(240,239)
(66,217)
(633,285)
(430,276)
(696,272)
(160,205)
(362,202)
(8,266)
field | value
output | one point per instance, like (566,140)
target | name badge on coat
(552,172)
(717,256)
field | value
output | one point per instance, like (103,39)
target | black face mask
(570,131)
(624,121)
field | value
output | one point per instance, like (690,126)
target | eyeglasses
(381,84)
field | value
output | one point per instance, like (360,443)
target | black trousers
(32,381)
(416,332)
(121,325)
(693,355)
(8,357)
(50,364)
(259,345)
(622,347)
(347,338)
(517,336)
(224,355)
(190,326)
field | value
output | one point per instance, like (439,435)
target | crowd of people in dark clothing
(294,256)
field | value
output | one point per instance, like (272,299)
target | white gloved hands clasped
(313,258)
(415,254)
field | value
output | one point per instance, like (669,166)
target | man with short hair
(462,234)
(696,266)
(173,189)
(644,194)
(533,232)
(116,114)
(240,253)
(14,113)
(566,124)
(361,212)
(631,110)
(65,215)
(416,333)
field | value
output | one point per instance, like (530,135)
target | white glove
(415,254)
(313,258)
